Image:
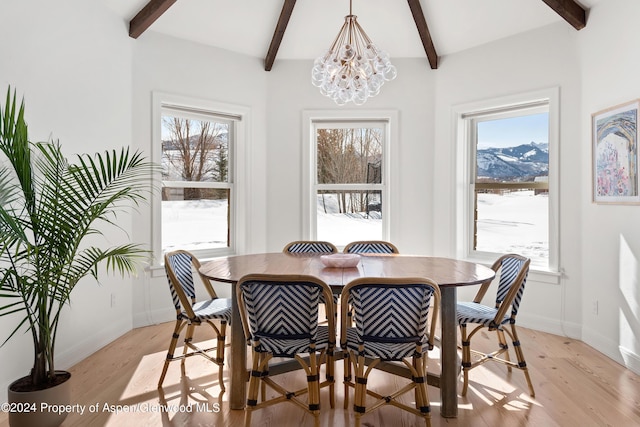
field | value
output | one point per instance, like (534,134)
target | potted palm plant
(48,207)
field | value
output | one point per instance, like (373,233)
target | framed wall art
(615,154)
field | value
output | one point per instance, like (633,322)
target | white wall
(169,65)
(594,69)
(411,94)
(539,59)
(72,62)
(611,234)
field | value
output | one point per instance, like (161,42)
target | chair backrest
(513,269)
(371,247)
(179,266)
(283,306)
(310,246)
(392,310)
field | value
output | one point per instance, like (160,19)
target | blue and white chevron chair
(513,271)
(371,247)
(179,266)
(280,317)
(310,246)
(394,321)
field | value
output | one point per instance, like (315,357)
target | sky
(514,131)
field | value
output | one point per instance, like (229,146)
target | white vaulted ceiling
(247,26)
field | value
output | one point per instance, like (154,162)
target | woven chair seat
(471,312)
(387,351)
(219,309)
(291,347)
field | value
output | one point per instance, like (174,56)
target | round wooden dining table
(448,273)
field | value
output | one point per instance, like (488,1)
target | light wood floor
(575,386)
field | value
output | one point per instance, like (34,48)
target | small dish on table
(340,260)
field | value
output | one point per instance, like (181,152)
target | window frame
(465,118)
(203,109)
(312,120)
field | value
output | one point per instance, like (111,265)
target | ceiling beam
(147,16)
(285,14)
(423,30)
(570,11)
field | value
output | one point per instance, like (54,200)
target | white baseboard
(551,326)
(608,347)
(92,343)
(601,343)
(631,359)
(153,317)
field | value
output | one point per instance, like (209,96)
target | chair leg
(187,341)
(416,391)
(466,358)
(360,396)
(254,385)
(502,340)
(313,384)
(263,385)
(347,378)
(330,365)
(172,349)
(220,350)
(522,364)
(422,394)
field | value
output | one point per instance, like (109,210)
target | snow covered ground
(194,224)
(514,222)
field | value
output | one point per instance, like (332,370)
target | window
(348,179)
(509,150)
(196,148)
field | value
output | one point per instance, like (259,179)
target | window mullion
(196,184)
(350,187)
(511,186)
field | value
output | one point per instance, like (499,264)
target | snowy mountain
(514,163)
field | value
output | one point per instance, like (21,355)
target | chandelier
(353,69)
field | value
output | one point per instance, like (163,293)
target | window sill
(536,273)
(157,271)
(545,276)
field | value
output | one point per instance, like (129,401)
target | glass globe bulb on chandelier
(353,69)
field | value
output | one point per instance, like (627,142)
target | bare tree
(196,150)
(344,157)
